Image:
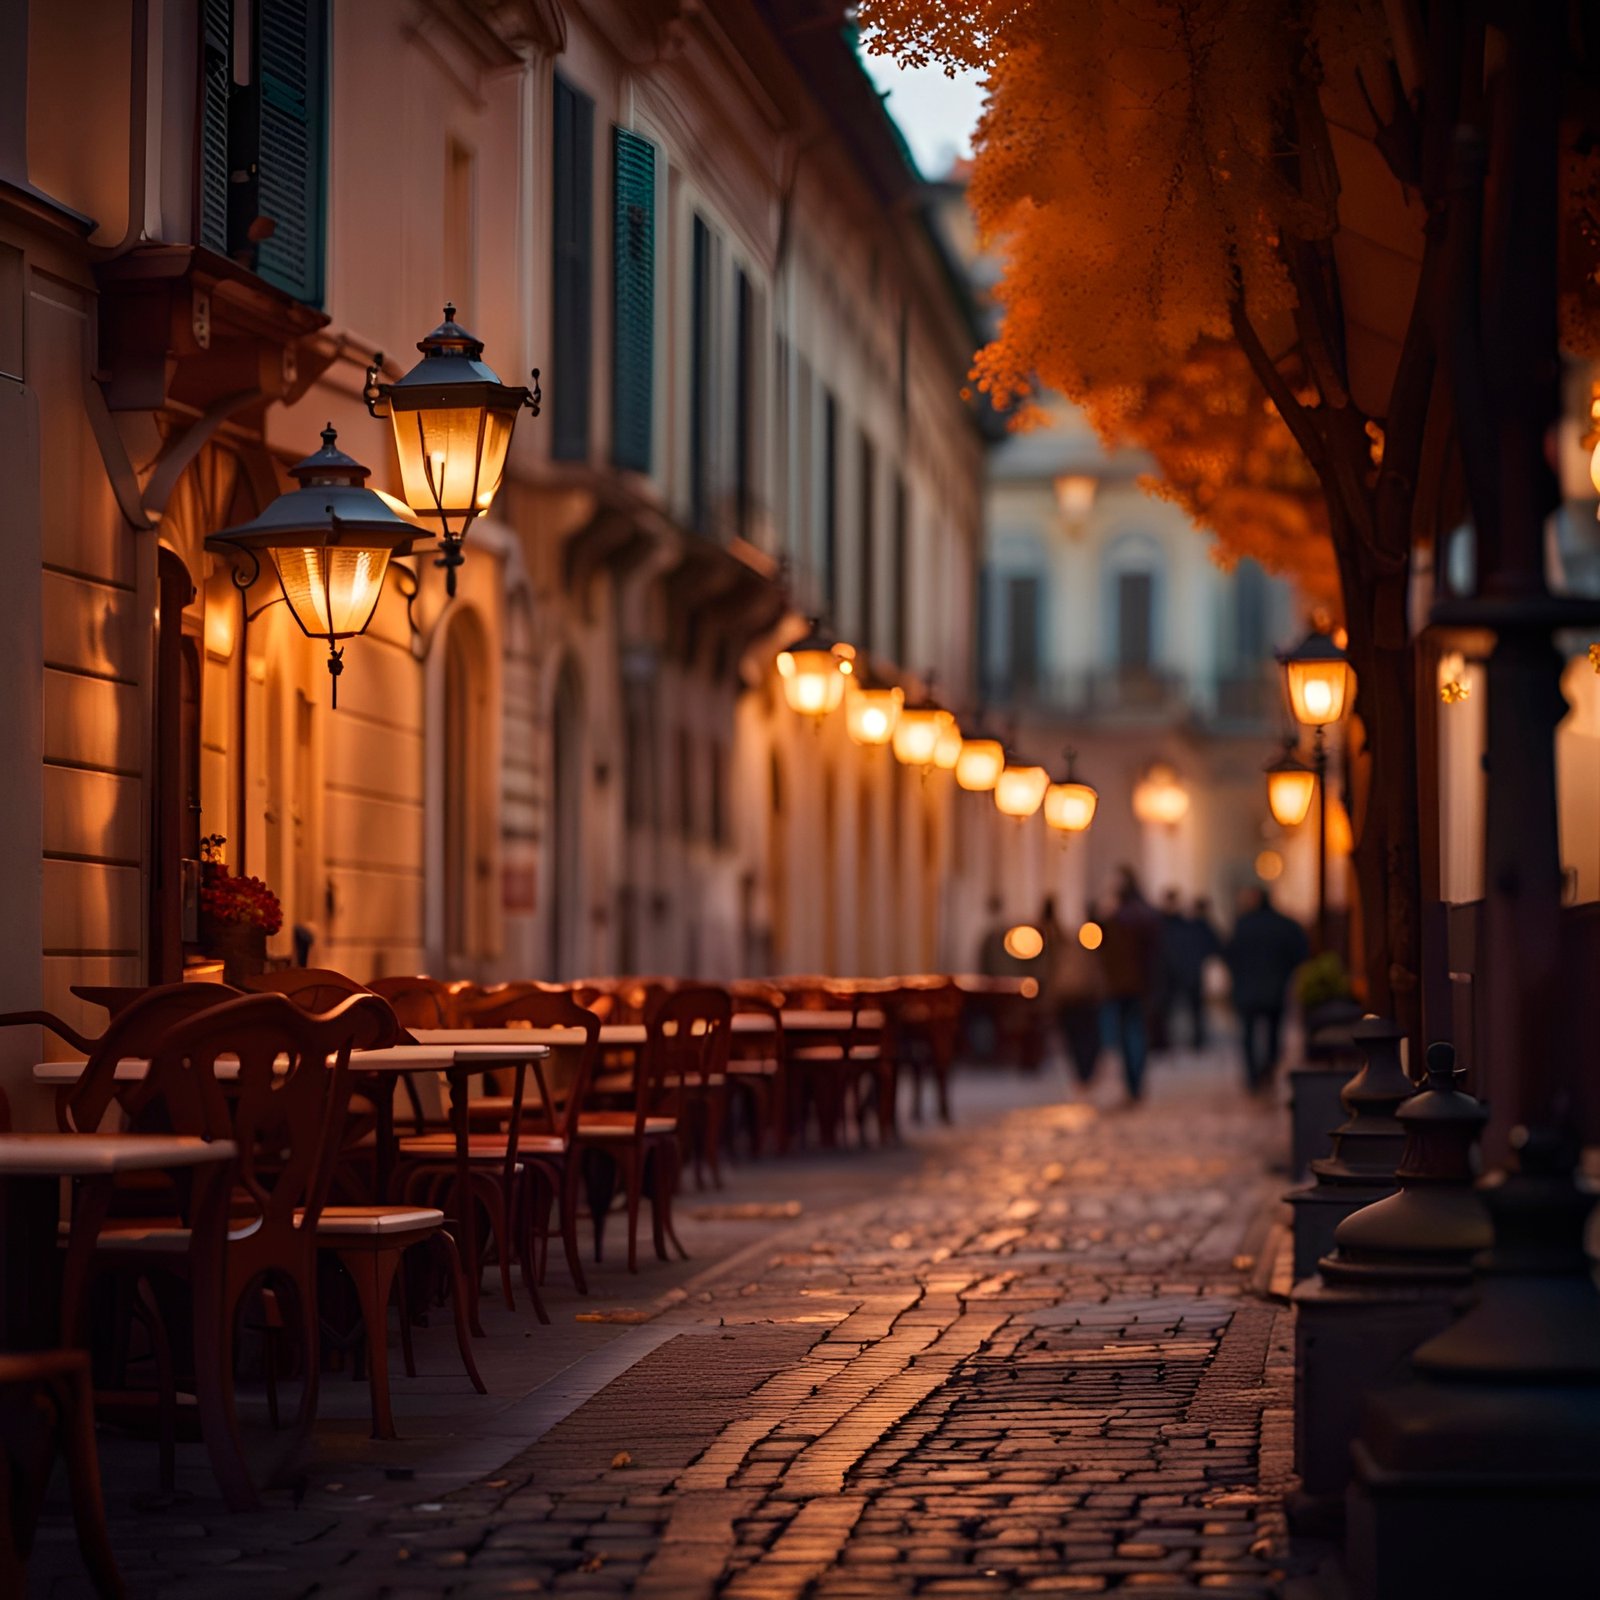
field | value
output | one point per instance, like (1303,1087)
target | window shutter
(571,276)
(700,378)
(291,79)
(633,298)
(216,89)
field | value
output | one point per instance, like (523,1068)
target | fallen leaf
(593,1564)
(622,1459)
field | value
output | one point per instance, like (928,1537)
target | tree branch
(1297,417)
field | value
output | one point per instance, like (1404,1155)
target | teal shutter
(572,273)
(216,90)
(633,298)
(291,61)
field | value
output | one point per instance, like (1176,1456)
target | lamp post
(452,420)
(1320,682)
(330,542)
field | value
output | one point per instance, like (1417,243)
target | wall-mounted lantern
(814,670)
(1069,804)
(452,419)
(330,542)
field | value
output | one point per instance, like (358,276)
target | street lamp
(1068,804)
(452,419)
(1019,790)
(1290,786)
(1159,798)
(1320,682)
(980,763)
(330,542)
(918,730)
(813,674)
(871,709)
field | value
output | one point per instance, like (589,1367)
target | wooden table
(32,1166)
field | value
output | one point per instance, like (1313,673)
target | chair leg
(458,1303)
(716,1121)
(635,1175)
(666,1184)
(373,1272)
(166,1385)
(215,1311)
(603,1170)
(407,1353)
(83,1484)
(571,1174)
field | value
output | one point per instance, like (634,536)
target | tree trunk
(1386,853)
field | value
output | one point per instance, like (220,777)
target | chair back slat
(285,1110)
(561,1098)
(686,1041)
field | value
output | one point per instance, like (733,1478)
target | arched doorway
(566,825)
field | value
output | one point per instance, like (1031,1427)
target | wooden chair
(757,1082)
(46,1409)
(551,1159)
(286,1122)
(927,1034)
(686,1041)
(833,1070)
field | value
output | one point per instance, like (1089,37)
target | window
(460,227)
(868,555)
(780,440)
(688,823)
(899,629)
(701,371)
(830,502)
(633,299)
(262,174)
(1135,621)
(744,400)
(1250,613)
(572,233)
(1022,632)
(805,465)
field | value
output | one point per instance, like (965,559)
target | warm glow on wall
(980,764)
(1023,942)
(871,712)
(1019,790)
(1159,798)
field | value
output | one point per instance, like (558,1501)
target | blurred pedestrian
(1188,941)
(1130,957)
(1075,991)
(1262,955)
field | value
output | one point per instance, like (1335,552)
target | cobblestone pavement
(1035,1365)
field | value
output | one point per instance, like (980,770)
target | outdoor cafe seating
(244,1195)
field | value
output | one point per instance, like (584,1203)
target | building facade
(703,230)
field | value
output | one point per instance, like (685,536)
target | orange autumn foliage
(1129,171)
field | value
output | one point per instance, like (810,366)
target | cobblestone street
(1033,1362)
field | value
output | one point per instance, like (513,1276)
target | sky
(937,114)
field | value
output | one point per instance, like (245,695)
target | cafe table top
(618,1034)
(90,1155)
(439,1056)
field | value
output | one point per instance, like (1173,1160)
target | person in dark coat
(1262,955)
(1187,943)
(1130,960)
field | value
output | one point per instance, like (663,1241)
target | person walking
(1188,941)
(1262,955)
(1131,960)
(1075,991)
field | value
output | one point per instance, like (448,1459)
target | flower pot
(242,947)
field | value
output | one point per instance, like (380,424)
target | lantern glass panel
(980,764)
(947,751)
(451,458)
(1318,690)
(871,714)
(1019,791)
(1070,806)
(916,734)
(812,682)
(331,589)
(1289,793)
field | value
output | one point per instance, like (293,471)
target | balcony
(1142,697)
